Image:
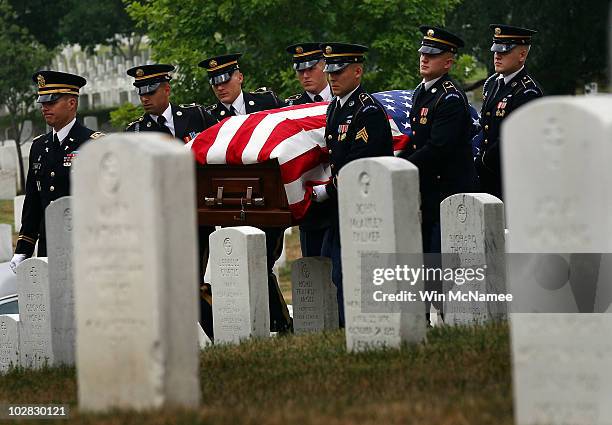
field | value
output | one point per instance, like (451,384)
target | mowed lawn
(459,376)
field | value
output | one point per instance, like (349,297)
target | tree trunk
(16,127)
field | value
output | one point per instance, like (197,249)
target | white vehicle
(8,292)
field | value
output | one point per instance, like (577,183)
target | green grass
(460,376)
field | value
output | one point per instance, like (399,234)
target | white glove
(16,260)
(320,193)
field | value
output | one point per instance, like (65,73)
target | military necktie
(501,83)
(233,111)
(318,98)
(161,121)
(56,140)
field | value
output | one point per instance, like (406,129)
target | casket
(242,195)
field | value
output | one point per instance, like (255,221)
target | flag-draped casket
(259,169)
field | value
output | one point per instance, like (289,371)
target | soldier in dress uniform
(226,81)
(152,84)
(441,132)
(440,144)
(308,65)
(356,127)
(51,157)
(184,122)
(506,90)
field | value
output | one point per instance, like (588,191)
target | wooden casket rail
(242,195)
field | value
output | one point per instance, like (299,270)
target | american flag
(294,136)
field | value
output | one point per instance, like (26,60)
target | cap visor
(300,66)
(428,50)
(502,48)
(43,98)
(220,79)
(148,89)
(334,67)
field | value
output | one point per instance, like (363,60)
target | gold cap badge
(430,33)
(497,31)
(212,63)
(328,50)
(139,72)
(40,80)
(299,50)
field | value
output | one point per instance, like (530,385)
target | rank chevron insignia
(362,134)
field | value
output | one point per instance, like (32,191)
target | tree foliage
(20,56)
(125,114)
(88,23)
(569,49)
(261,29)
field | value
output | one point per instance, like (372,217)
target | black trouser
(280,320)
(311,241)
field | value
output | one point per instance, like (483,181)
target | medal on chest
(342,130)
(501,108)
(69,158)
(424,112)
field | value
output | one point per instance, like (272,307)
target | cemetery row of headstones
(133,291)
(107,82)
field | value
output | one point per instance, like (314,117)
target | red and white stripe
(293,135)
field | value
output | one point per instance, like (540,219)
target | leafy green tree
(125,114)
(187,33)
(20,56)
(93,22)
(569,50)
(88,23)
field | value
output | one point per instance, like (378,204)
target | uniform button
(488,114)
(413,132)
(486,142)
(51,188)
(332,166)
(413,146)
(329,137)
(438,177)
(52,173)
(413,119)
(486,127)
(330,151)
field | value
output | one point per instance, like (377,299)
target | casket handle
(219,199)
(211,202)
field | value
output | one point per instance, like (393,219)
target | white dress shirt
(325,94)
(428,84)
(61,135)
(167,114)
(344,98)
(238,105)
(508,78)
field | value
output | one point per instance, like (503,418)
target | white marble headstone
(556,156)
(135,273)
(239,280)
(9,343)
(472,230)
(8,184)
(36,347)
(91,122)
(315,307)
(379,214)
(17,210)
(58,225)
(6,242)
